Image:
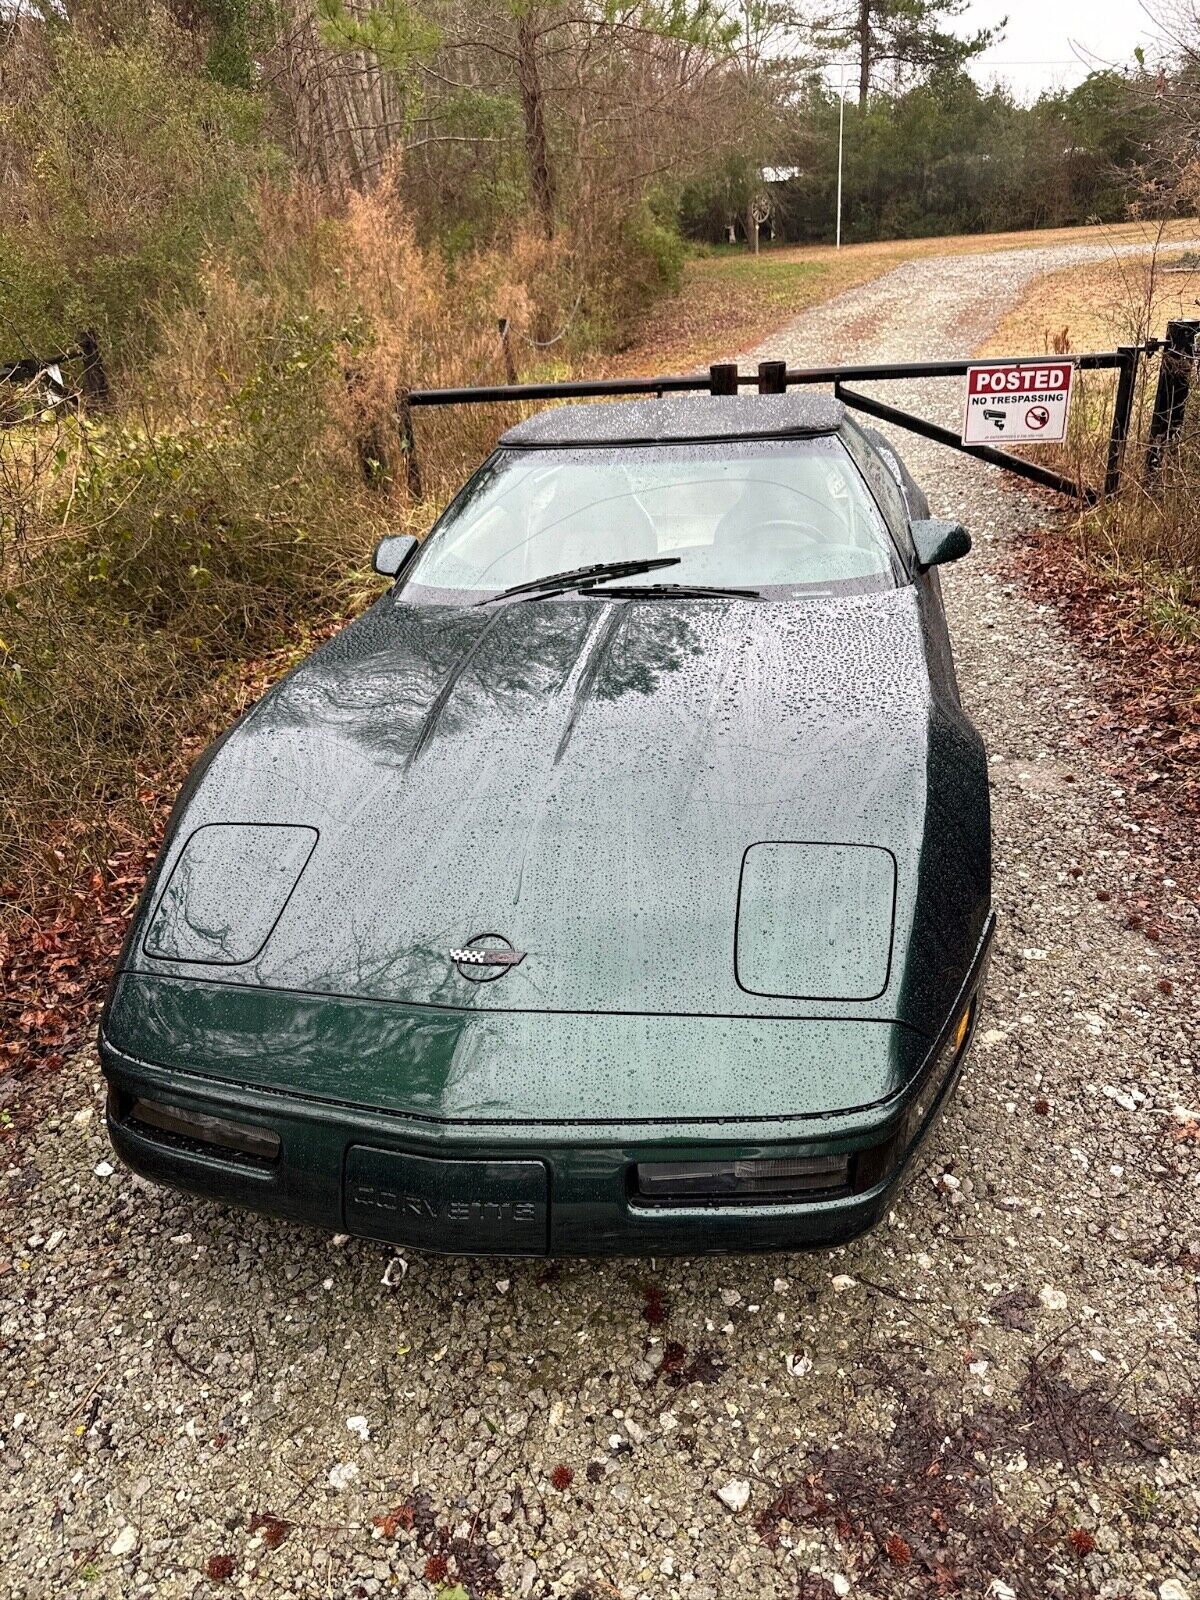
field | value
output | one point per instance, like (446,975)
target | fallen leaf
(401,1516)
(273,1529)
(654,1307)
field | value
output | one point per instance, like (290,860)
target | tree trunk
(864,52)
(533,107)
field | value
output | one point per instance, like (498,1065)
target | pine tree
(910,34)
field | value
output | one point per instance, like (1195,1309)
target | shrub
(141,560)
(656,255)
(122,166)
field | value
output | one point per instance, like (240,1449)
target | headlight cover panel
(815,920)
(227,890)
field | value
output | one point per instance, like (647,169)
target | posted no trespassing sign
(1025,401)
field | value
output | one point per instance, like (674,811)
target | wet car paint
(471,772)
(586,778)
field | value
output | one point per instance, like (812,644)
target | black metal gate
(1178,351)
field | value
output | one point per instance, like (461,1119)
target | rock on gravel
(176,1379)
(735,1494)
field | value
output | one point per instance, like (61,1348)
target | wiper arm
(581,577)
(684,591)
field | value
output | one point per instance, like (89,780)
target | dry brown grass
(1099,306)
(1145,543)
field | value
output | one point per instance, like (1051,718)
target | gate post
(1174,381)
(1130,355)
(723,378)
(772,377)
(408,441)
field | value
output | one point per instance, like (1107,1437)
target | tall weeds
(1147,538)
(230,500)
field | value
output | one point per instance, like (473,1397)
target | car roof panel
(683,418)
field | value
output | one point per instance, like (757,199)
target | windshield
(783,515)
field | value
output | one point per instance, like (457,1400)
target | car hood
(589,780)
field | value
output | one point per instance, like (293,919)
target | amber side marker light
(964,1028)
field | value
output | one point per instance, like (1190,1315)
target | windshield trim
(650,441)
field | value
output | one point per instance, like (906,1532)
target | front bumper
(591,1206)
(479,1188)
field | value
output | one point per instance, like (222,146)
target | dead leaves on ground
(1149,736)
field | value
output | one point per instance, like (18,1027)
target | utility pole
(841,142)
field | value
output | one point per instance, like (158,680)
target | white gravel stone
(735,1494)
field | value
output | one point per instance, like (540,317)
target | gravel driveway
(996,1392)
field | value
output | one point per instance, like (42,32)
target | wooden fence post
(510,366)
(772,377)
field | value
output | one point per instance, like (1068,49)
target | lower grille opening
(195,1133)
(800,1178)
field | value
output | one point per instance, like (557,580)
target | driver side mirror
(391,553)
(938,541)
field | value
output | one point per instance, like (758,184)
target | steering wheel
(776,551)
(805,530)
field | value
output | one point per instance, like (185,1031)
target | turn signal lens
(716,1180)
(240,1137)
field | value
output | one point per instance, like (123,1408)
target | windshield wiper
(682,591)
(581,577)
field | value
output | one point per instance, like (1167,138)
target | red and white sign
(1023,402)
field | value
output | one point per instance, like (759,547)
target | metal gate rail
(776,377)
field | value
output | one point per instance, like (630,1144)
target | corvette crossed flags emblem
(487,951)
(487,958)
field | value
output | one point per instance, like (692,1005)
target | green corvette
(619,882)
